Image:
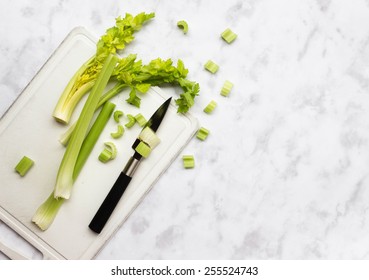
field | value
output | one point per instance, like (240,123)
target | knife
(110,202)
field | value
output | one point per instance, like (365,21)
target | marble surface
(284,172)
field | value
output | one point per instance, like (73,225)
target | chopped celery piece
(109,153)
(143,149)
(228,35)
(119,133)
(183,25)
(47,211)
(64,181)
(140,119)
(148,136)
(117,115)
(112,148)
(226,89)
(92,137)
(210,107)
(24,166)
(131,121)
(105,156)
(188,161)
(211,66)
(202,133)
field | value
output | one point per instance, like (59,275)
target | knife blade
(111,200)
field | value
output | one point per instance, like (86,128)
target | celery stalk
(92,137)
(64,181)
(63,110)
(111,93)
(64,138)
(47,211)
(65,115)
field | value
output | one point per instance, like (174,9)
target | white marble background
(284,173)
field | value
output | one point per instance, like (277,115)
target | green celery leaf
(143,87)
(133,98)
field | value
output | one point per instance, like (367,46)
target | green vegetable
(119,133)
(183,25)
(112,148)
(228,35)
(143,149)
(188,161)
(105,156)
(65,137)
(109,152)
(211,66)
(117,115)
(131,121)
(64,181)
(226,89)
(24,165)
(104,98)
(148,136)
(47,211)
(92,137)
(210,107)
(140,78)
(128,73)
(115,39)
(131,73)
(202,133)
(140,119)
(187,98)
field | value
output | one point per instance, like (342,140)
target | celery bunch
(115,39)
(105,66)
(129,72)
(78,149)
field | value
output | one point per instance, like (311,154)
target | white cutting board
(28,128)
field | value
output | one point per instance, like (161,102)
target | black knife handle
(107,207)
